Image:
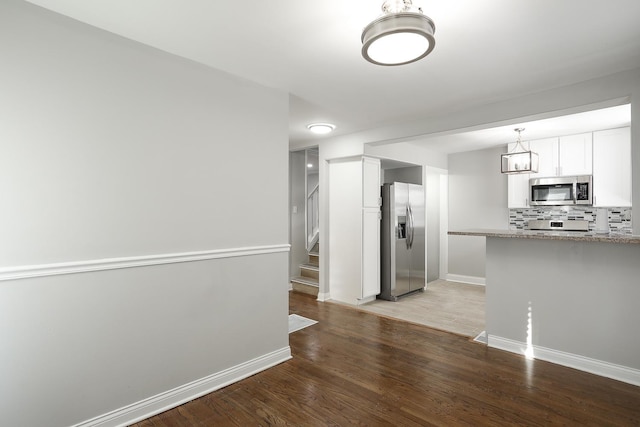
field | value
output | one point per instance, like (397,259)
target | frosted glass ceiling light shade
(399,36)
(321,128)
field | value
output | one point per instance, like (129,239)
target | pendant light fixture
(400,36)
(519,160)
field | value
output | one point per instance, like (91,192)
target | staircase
(307,281)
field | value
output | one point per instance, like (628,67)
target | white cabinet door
(345,238)
(518,190)
(517,185)
(612,167)
(370,252)
(370,227)
(575,155)
(547,150)
(354,241)
(567,155)
(370,182)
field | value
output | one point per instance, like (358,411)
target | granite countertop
(550,235)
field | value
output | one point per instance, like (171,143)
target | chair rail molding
(54,269)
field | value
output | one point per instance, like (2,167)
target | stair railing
(313,218)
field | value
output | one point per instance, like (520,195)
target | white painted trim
(323,296)
(472,280)
(582,363)
(444,223)
(361,301)
(170,399)
(27,271)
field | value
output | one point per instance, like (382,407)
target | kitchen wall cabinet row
(604,154)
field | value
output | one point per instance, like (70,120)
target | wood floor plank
(358,368)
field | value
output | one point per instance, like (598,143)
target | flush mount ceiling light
(400,36)
(321,128)
(519,160)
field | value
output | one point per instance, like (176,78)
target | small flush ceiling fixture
(400,36)
(321,128)
(519,160)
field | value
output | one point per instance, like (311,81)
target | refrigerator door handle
(413,223)
(407,237)
(410,231)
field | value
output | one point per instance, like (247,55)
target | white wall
(573,303)
(327,151)
(433,212)
(125,162)
(477,199)
(411,174)
(408,153)
(387,143)
(635,151)
(298,239)
(312,181)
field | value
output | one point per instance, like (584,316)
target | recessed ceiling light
(321,128)
(309,165)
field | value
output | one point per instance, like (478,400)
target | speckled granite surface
(550,235)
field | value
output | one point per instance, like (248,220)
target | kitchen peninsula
(566,297)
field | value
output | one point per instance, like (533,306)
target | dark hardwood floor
(356,368)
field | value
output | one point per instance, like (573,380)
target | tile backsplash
(619,218)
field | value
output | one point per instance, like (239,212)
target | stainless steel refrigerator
(402,238)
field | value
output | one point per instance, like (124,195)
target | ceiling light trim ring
(402,22)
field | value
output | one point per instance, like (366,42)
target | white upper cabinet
(547,150)
(612,167)
(566,155)
(604,154)
(371,182)
(575,155)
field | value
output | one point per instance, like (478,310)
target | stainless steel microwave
(561,191)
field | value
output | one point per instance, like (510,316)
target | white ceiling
(485,51)
(570,124)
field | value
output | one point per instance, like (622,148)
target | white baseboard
(365,300)
(324,296)
(472,280)
(594,366)
(170,399)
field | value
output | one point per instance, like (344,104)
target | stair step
(310,271)
(305,285)
(309,281)
(310,266)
